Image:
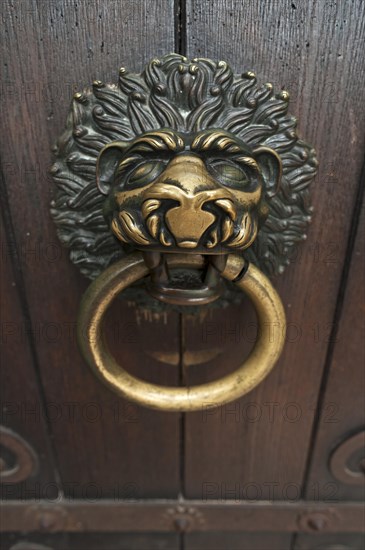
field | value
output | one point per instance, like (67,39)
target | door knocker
(178,179)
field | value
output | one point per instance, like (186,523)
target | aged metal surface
(23,459)
(203,193)
(190,516)
(170,181)
(251,372)
(344,469)
(191,159)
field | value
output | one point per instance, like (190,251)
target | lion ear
(107,163)
(271,169)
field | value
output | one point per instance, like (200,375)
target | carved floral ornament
(185,157)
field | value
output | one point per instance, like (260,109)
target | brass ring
(261,360)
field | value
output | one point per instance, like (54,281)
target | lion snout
(189,218)
(187,224)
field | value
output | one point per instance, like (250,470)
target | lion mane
(186,96)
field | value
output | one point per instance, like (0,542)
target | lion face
(202,193)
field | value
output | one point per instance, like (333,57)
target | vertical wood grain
(22,407)
(342,411)
(105,446)
(314,50)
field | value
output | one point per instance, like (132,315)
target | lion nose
(189,220)
(188,224)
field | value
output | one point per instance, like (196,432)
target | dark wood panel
(104,446)
(344,395)
(22,409)
(303,47)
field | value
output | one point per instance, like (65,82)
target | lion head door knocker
(181,180)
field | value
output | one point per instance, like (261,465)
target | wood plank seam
(359,197)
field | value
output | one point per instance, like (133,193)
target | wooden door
(280,468)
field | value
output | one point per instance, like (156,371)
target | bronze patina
(191,158)
(180,178)
(252,371)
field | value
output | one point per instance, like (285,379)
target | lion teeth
(214,239)
(227,206)
(163,239)
(149,206)
(153,223)
(227,229)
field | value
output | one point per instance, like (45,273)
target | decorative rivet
(284,94)
(316,521)
(79,131)
(249,74)
(182,524)
(183,519)
(48,519)
(54,169)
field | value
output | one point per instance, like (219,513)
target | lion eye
(229,173)
(144,173)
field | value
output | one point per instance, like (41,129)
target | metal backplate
(195,102)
